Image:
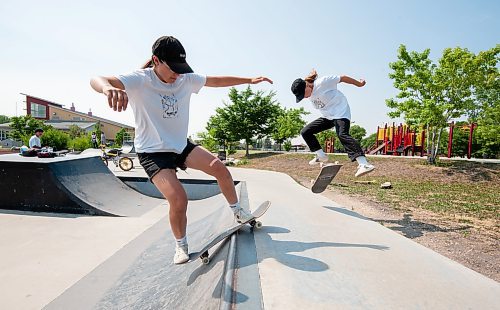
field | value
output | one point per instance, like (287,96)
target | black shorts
(154,162)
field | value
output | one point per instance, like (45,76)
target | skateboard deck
(325,177)
(203,253)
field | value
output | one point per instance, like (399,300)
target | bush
(55,139)
(80,143)
(287,145)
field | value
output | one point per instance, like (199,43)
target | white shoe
(242,216)
(317,160)
(181,254)
(364,169)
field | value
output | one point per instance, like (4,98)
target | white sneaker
(181,254)
(364,169)
(317,160)
(242,216)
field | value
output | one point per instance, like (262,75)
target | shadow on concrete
(407,226)
(282,250)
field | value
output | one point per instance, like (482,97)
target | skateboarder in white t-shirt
(331,102)
(159,95)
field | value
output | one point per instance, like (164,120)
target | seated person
(35,142)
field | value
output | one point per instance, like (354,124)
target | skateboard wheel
(258,224)
(205,260)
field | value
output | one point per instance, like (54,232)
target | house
(57,116)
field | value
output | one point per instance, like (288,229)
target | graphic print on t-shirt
(170,106)
(318,104)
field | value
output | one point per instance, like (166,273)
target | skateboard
(203,253)
(325,177)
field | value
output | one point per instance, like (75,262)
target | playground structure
(470,128)
(400,140)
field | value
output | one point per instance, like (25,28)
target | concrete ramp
(72,184)
(142,276)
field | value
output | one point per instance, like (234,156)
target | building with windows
(55,115)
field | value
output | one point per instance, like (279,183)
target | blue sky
(51,49)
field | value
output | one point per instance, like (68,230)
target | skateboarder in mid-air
(324,95)
(159,94)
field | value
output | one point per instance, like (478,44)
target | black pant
(341,127)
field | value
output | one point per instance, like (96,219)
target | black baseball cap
(299,89)
(169,50)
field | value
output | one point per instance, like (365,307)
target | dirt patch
(459,229)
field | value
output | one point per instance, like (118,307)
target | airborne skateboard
(203,253)
(325,177)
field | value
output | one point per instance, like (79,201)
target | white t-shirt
(330,101)
(161,110)
(35,141)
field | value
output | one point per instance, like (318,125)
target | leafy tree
(4,119)
(121,135)
(486,110)
(218,129)
(250,114)
(208,141)
(325,135)
(433,94)
(369,141)
(288,124)
(488,131)
(97,130)
(357,132)
(24,127)
(75,131)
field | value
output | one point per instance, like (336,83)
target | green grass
(449,187)
(477,200)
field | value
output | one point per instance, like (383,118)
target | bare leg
(167,183)
(203,160)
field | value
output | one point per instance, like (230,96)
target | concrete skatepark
(114,250)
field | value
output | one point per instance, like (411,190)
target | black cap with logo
(169,50)
(299,89)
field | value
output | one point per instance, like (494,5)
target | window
(3,135)
(38,110)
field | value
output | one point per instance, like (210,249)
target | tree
(208,141)
(250,115)
(121,136)
(431,95)
(486,110)
(218,129)
(4,119)
(357,132)
(288,124)
(75,131)
(325,135)
(369,141)
(24,127)
(97,130)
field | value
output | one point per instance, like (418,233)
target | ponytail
(311,77)
(148,64)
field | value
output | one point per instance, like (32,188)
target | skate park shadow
(407,226)
(43,214)
(282,250)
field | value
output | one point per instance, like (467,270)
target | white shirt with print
(330,101)
(35,141)
(161,110)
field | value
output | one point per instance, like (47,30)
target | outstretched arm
(350,80)
(223,81)
(112,88)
